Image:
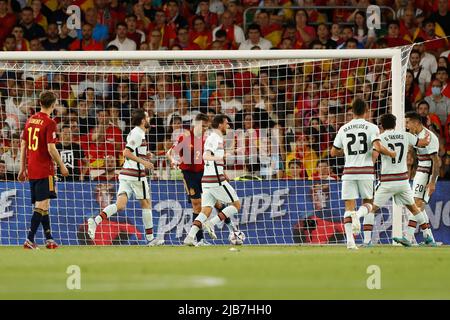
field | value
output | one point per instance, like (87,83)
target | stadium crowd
(294,109)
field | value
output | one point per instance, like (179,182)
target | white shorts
(224,194)
(357,189)
(420,184)
(140,189)
(399,190)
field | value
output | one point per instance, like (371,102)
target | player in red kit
(189,148)
(38,151)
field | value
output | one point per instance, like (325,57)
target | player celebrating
(394,178)
(189,148)
(427,173)
(356,141)
(132,178)
(38,145)
(214,183)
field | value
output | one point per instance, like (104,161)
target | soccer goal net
(284,107)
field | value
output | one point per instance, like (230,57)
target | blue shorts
(42,189)
(193,184)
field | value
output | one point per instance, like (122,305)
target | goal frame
(390,53)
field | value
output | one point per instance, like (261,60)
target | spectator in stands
(269,30)
(100,32)
(360,29)
(109,172)
(155,40)
(169,33)
(87,43)
(234,34)
(438,44)
(122,42)
(305,33)
(53,42)
(66,37)
(144,13)
(3,174)
(443,62)
(72,155)
(7,21)
(183,111)
(133,33)
(183,40)
(408,25)
(323,172)
(427,60)
(17,110)
(200,35)
(174,130)
(31,28)
(165,102)
(442,16)
(255,39)
(393,38)
(228,103)
(442,76)
(236,12)
(22,44)
(109,13)
(124,98)
(412,91)
(420,74)
(295,171)
(9,43)
(11,157)
(323,36)
(85,121)
(439,104)
(157,130)
(210,18)
(36,45)
(174,18)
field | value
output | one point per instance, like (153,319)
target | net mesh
(284,116)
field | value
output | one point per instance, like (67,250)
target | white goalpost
(284,106)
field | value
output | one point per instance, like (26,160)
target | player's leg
(421,198)
(228,222)
(225,194)
(198,223)
(366,210)
(349,195)
(193,186)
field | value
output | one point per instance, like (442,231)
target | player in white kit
(394,180)
(427,173)
(356,140)
(214,183)
(132,178)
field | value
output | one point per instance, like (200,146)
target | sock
(422,221)
(46,226)
(106,213)
(197,224)
(368,222)
(348,227)
(148,223)
(427,232)
(200,231)
(226,213)
(35,222)
(230,225)
(412,224)
(363,210)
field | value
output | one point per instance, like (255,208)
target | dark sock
(199,235)
(46,226)
(227,220)
(35,222)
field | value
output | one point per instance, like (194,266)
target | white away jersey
(213,172)
(396,169)
(356,138)
(136,143)
(424,154)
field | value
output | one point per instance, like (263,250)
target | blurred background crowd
(284,117)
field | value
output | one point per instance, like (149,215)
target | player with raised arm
(214,183)
(132,179)
(38,147)
(189,150)
(356,141)
(394,180)
(427,173)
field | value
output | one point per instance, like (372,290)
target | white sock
(106,213)
(226,213)
(231,227)
(368,222)
(147,218)
(194,229)
(363,210)
(348,228)
(427,232)
(412,224)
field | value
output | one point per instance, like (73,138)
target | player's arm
(128,154)
(209,156)
(375,155)
(336,152)
(23,174)
(383,150)
(337,149)
(51,147)
(425,141)
(434,173)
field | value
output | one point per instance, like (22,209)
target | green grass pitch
(252,272)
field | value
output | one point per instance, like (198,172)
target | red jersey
(190,149)
(40,130)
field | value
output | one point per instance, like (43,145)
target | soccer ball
(237,238)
